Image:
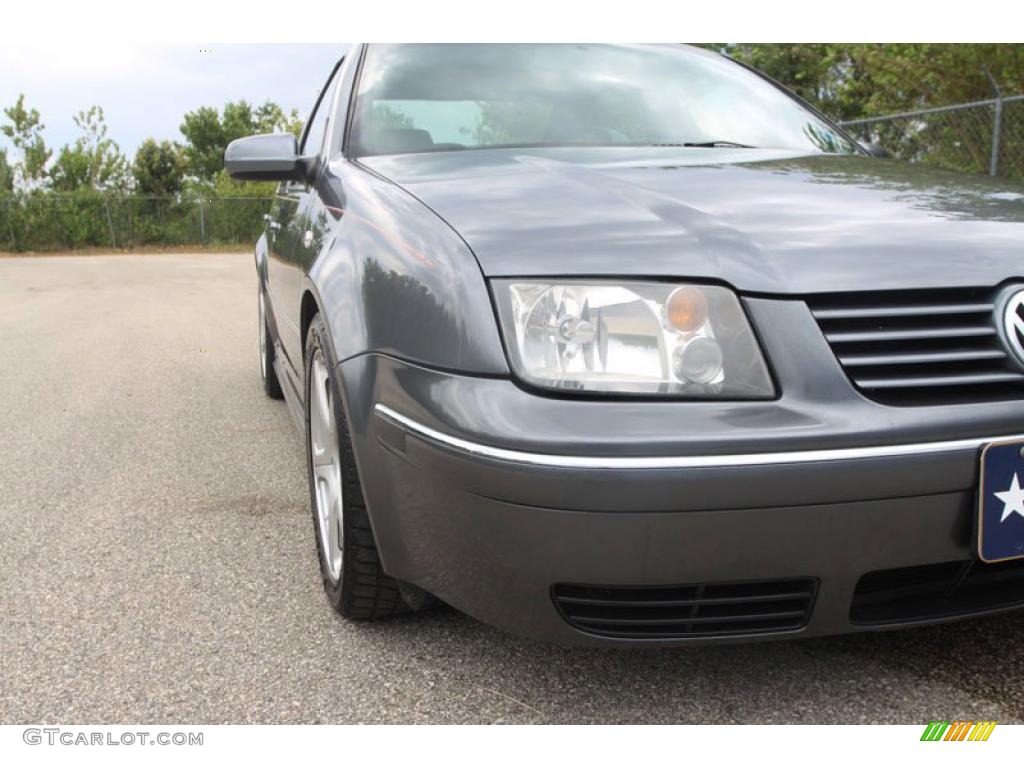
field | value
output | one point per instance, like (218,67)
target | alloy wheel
(263,336)
(326,466)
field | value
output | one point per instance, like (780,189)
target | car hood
(760,220)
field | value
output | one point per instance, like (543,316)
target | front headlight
(676,340)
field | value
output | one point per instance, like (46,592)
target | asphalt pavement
(157,562)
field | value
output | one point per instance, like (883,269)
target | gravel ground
(157,562)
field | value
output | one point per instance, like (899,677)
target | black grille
(936,591)
(920,347)
(687,611)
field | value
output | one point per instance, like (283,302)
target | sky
(146,89)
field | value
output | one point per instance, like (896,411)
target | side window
(317,125)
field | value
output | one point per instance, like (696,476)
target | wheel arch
(309,308)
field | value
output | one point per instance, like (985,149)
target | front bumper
(488,496)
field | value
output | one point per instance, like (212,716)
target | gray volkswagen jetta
(621,345)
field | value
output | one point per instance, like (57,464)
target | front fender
(261,257)
(395,279)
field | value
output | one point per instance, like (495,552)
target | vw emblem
(1013,324)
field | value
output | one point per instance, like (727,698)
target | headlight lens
(631,338)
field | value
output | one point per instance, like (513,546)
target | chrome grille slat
(930,310)
(941,381)
(922,358)
(846,337)
(921,347)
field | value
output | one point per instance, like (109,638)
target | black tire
(271,385)
(363,591)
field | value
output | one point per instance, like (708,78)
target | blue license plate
(1001,502)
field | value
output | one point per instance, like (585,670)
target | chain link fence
(51,222)
(979,137)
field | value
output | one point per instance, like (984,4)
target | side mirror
(875,150)
(268,157)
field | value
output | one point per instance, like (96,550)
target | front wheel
(355,584)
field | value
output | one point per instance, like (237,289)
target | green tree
(208,132)
(270,118)
(908,75)
(159,168)
(93,161)
(857,80)
(204,142)
(237,121)
(851,80)
(70,171)
(25,130)
(6,174)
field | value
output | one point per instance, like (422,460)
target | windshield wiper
(708,144)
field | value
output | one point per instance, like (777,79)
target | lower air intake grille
(937,591)
(688,611)
(920,347)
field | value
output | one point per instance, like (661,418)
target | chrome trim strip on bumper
(686,462)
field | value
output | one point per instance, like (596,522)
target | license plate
(1001,502)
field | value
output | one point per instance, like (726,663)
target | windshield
(423,98)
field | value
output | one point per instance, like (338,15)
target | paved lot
(157,564)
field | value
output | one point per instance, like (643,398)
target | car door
(282,234)
(289,225)
(317,218)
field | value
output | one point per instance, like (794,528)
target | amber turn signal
(686,309)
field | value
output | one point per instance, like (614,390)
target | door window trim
(351,107)
(331,83)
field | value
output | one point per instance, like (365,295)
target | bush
(49,222)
